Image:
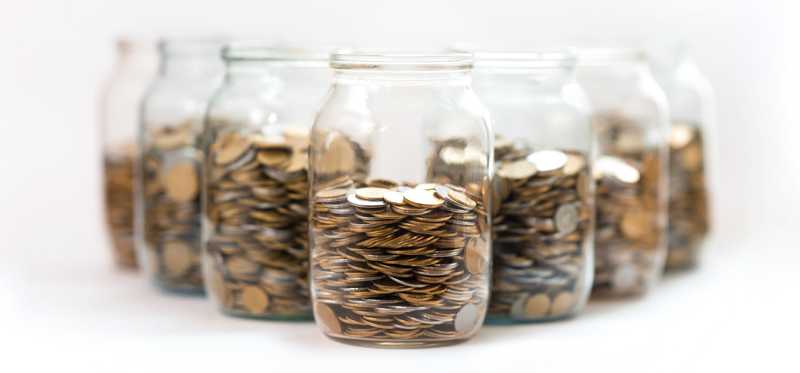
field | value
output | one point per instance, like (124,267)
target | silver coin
(566,219)
(466,318)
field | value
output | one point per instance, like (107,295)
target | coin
(466,319)
(177,257)
(537,305)
(548,160)
(635,224)
(422,198)
(567,218)
(521,169)
(393,197)
(118,177)
(371,194)
(254,300)
(474,258)
(327,318)
(562,303)
(232,149)
(181,183)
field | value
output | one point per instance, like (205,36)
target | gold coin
(537,305)
(461,199)
(274,157)
(180,182)
(394,197)
(253,299)
(635,224)
(548,160)
(575,163)
(371,194)
(178,258)
(422,198)
(234,146)
(474,258)
(327,318)
(331,194)
(563,303)
(521,169)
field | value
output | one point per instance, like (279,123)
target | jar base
(508,320)
(172,289)
(289,318)
(393,344)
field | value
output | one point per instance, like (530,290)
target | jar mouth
(254,50)
(526,59)
(609,55)
(350,59)
(191,46)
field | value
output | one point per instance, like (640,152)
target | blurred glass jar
(400,170)
(543,207)
(119,120)
(691,103)
(256,199)
(631,121)
(168,204)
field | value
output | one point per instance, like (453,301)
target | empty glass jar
(256,201)
(691,104)
(543,207)
(631,121)
(400,171)
(119,119)
(168,201)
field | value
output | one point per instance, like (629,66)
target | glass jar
(168,204)
(691,103)
(256,199)
(543,207)
(630,119)
(400,171)
(119,117)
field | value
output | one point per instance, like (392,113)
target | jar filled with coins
(400,176)
(169,174)
(256,201)
(542,207)
(119,115)
(691,103)
(630,121)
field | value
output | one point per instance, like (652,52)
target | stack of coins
(456,161)
(688,204)
(171,190)
(119,206)
(257,206)
(397,263)
(542,227)
(630,239)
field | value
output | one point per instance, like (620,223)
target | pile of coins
(688,204)
(399,263)
(119,207)
(455,161)
(171,205)
(257,206)
(630,239)
(542,225)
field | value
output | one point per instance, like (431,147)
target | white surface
(63,309)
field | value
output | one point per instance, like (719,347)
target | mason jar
(135,66)
(256,187)
(631,122)
(691,104)
(169,172)
(543,206)
(401,156)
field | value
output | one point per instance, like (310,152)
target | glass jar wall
(691,111)
(256,200)
(119,114)
(631,121)
(543,207)
(169,172)
(400,171)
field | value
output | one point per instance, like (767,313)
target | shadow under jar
(119,115)
(400,171)
(256,200)
(691,104)
(543,206)
(169,173)
(630,121)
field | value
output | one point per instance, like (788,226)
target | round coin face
(566,218)
(327,318)
(253,299)
(234,147)
(393,197)
(332,194)
(424,198)
(575,163)
(466,318)
(371,194)
(562,303)
(537,305)
(548,160)
(474,257)
(635,224)
(180,182)
(358,202)
(618,169)
(177,258)
(521,169)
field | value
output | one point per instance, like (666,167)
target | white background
(62,307)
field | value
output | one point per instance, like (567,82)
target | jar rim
(599,56)
(526,59)
(256,50)
(381,60)
(199,45)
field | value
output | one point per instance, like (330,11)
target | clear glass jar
(631,120)
(691,103)
(400,171)
(543,207)
(119,120)
(169,172)
(256,197)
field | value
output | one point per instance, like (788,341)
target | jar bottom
(172,288)
(508,320)
(396,344)
(266,317)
